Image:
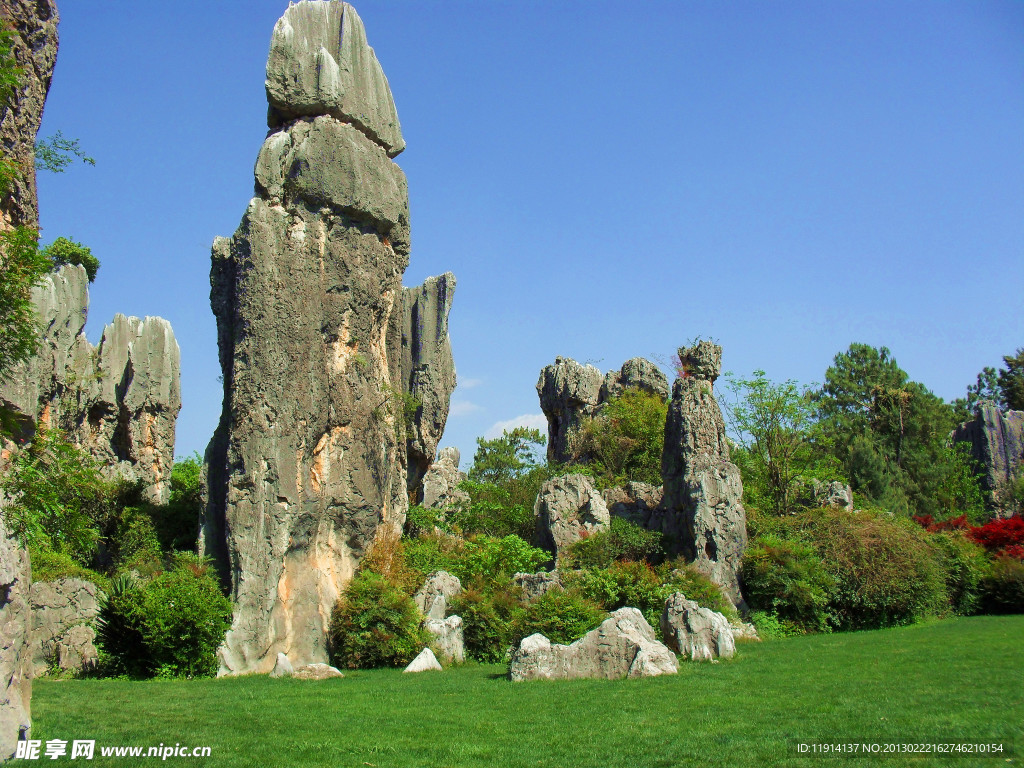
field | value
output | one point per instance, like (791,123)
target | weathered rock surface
(15,642)
(833,494)
(433,597)
(996,440)
(571,394)
(694,631)
(428,373)
(119,400)
(635,502)
(316,671)
(536,585)
(567,509)
(309,462)
(702,515)
(426,661)
(623,646)
(744,631)
(441,482)
(34,50)
(63,613)
(321,64)
(282,667)
(636,373)
(450,642)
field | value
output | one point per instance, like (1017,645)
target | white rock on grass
(425,662)
(283,667)
(316,671)
(694,631)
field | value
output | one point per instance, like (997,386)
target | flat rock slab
(316,672)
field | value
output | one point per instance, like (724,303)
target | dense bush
(998,535)
(57,497)
(65,251)
(562,616)
(490,615)
(624,441)
(375,624)
(622,540)
(48,565)
(1002,588)
(480,556)
(964,565)
(168,627)
(884,569)
(788,580)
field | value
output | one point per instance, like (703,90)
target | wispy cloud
(470,383)
(462,407)
(530,420)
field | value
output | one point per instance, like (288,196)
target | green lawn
(961,678)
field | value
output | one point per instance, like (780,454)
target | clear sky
(606,180)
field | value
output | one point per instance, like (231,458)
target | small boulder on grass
(283,667)
(425,662)
(316,672)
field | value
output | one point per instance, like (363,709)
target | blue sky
(606,180)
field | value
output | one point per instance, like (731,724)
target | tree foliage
(626,439)
(22,267)
(65,251)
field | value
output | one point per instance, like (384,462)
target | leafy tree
(65,251)
(1011,381)
(22,267)
(507,457)
(626,439)
(57,152)
(773,423)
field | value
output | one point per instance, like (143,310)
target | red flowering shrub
(953,524)
(998,535)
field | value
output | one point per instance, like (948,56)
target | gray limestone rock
(282,667)
(569,395)
(449,638)
(996,440)
(536,585)
(833,494)
(321,64)
(623,646)
(432,598)
(441,482)
(636,373)
(34,50)
(635,502)
(309,462)
(428,373)
(426,661)
(316,671)
(702,516)
(15,642)
(119,400)
(63,613)
(696,632)
(567,509)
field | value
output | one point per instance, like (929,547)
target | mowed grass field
(954,679)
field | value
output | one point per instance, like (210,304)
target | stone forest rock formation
(34,48)
(702,515)
(696,632)
(571,393)
(996,440)
(440,488)
(63,613)
(118,400)
(428,373)
(15,642)
(568,508)
(320,346)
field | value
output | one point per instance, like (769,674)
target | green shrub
(884,569)
(787,580)
(48,565)
(57,497)
(489,619)
(421,520)
(624,441)
(480,556)
(1002,588)
(375,624)
(680,576)
(622,540)
(562,616)
(65,251)
(770,627)
(964,565)
(133,543)
(168,627)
